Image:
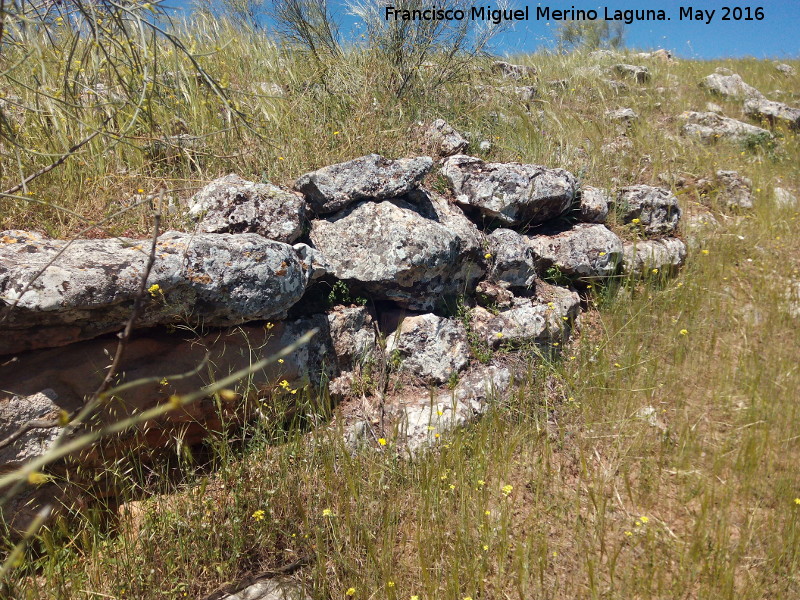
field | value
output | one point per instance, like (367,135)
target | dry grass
(603,504)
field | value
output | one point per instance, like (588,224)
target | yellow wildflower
(154,290)
(684,332)
(644,519)
(350,592)
(487,256)
(507,490)
(382,441)
(327,512)
(258,515)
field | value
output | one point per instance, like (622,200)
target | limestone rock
(513,71)
(784,198)
(90,287)
(774,112)
(585,251)
(271,589)
(441,139)
(656,208)
(736,191)
(710,127)
(415,252)
(626,115)
(714,108)
(430,347)
(729,86)
(493,294)
(231,204)
(642,256)
(352,333)
(514,264)
(543,319)
(15,412)
(511,193)
(421,421)
(785,69)
(371,177)
(314,262)
(639,73)
(660,54)
(698,223)
(594,203)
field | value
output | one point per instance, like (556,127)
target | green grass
(716,478)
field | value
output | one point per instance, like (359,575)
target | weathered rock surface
(735,191)
(774,112)
(420,422)
(660,54)
(729,86)
(784,198)
(785,69)
(625,115)
(353,335)
(415,252)
(639,73)
(271,589)
(710,127)
(430,347)
(441,139)
(18,410)
(656,208)
(513,71)
(371,177)
(511,193)
(495,295)
(88,287)
(514,264)
(594,203)
(544,319)
(231,204)
(642,256)
(585,251)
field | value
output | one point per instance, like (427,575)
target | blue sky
(776,36)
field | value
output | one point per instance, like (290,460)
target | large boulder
(543,319)
(417,251)
(371,177)
(510,193)
(231,204)
(429,347)
(642,257)
(774,112)
(585,251)
(709,127)
(54,292)
(656,209)
(729,86)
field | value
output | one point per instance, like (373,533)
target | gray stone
(421,420)
(271,589)
(231,204)
(729,86)
(642,256)
(785,69)
(415,252)
(353,335)
(430,347)
(626,115)
(774,112)
(656,208)
(709,127)
(714,108)
(639,73)
(544,319)
(371,177)
(734,190)
(784,198)
(441,139)
(511,193)
(17,411)
(514,264)
(494,295)
(513,71)
(314,262)
(594,203)
(585,251)
(660,54)
(88,287)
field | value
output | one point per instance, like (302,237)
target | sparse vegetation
(565,489)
